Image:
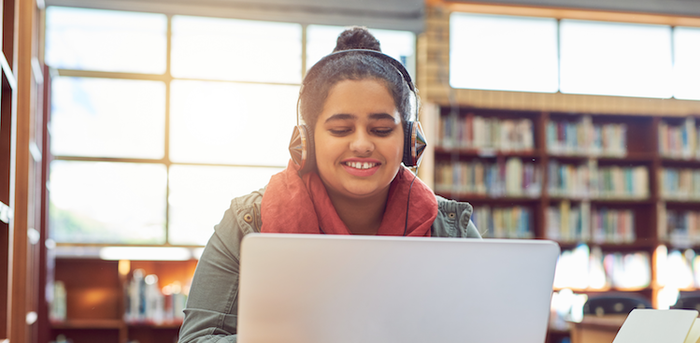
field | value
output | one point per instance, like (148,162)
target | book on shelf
(58,304)
(679,141)
(679,183)
(677,268)
(570,180)
(569,224)
(680,228)
(510,178)
(584,137)
(478,132)
(623,182)
(504,222)
(147,303)
(612,226)
(591,269)
(581,224)
(590,181)
(567,137)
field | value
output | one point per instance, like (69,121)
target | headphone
(301,146)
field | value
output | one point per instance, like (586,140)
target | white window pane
(240,50)
(503,53)
(686,50)
(107,118)
(101,202)
(401,45)
(103,40)
(199,196)
(615,59)
(245,124)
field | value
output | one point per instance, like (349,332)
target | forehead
(359,97)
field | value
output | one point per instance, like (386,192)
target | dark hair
(352,66)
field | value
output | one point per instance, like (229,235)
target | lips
(361,168)
(361,165)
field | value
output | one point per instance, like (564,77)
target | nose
(361,143)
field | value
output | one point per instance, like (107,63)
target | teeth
(361,165)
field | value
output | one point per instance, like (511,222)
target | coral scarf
(294,204)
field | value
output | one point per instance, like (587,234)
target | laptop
(298,288)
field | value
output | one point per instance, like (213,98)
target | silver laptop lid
(328,288)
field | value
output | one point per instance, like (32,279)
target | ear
(301,148)
(414,144)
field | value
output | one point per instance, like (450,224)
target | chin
(364,192)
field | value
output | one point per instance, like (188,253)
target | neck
(361,216)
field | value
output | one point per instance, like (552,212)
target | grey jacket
(212,306)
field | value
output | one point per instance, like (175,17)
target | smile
(361,165)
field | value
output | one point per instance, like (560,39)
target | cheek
(394,150)
(324,148)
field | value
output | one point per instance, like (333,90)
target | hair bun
(357,38)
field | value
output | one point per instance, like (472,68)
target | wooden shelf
(622,201)
(641,144)
(670,245)
(679,160)
(630,157)
(97,288)
(568,157)
(676,201)
(597,200)
(638,245)
(488,199)
(487,153)
(88,324)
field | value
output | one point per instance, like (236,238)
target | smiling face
(358,139)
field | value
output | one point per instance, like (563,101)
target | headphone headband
(301,146)
(396,64)
(315,69)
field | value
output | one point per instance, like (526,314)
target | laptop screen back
(327,288)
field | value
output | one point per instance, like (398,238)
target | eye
(340,131)
(382,132)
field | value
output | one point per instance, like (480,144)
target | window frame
(559,14)
(167,79)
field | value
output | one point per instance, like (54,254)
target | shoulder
(454,219)
(241,218)
(247,210)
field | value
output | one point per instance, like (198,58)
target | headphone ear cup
(301,148)
(414,144)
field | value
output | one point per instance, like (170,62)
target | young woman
(357,110)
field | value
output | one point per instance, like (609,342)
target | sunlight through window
(686,66)
(503,53)
(237,50)
(102,40)
(620,59)
(199,196)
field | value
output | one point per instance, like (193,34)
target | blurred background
(128,127)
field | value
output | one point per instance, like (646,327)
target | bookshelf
(595,179)
(96,293)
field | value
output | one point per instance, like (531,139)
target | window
(503,53)
(510,53)
(400,45)
(240,50)
(152,153)
(88,120)
(616,59)
(114,41)
(686,66)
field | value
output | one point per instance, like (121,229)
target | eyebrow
(373,116)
